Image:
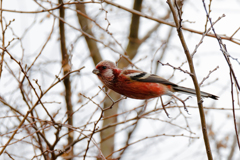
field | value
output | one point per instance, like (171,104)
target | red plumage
(137,84)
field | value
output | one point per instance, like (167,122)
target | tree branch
(67,84)
(194,78)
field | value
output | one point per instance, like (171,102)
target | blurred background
(53,107)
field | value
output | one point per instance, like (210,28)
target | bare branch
(194,78)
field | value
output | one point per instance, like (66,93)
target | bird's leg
(163,106)
(113,102)
(139,113)
(106,93)
(145,106)
(185,108)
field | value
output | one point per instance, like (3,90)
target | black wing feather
(151,78)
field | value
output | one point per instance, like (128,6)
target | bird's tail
(193,92)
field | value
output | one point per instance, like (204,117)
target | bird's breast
(140,90)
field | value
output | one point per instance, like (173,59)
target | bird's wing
(145,77)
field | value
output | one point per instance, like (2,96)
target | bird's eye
(104,67)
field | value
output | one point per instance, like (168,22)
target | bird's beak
(96,71)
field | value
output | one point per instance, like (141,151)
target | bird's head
(104,69)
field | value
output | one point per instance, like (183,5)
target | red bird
(137,84)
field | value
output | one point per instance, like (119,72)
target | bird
(137,84)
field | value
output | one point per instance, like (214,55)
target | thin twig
(210,72)
(234,114)
(226,55)
(194,78)
(166,22)
(36,103)
(175,68)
